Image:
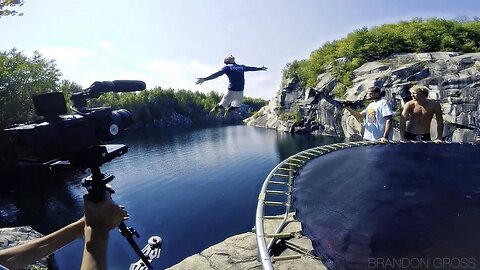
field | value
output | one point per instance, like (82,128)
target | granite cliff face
(453,79)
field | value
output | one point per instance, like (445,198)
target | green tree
(20,78)
(68,88)
(255,103)
(418,35)
(7,7)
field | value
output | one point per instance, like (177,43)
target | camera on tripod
(62,136)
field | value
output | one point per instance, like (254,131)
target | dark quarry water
(193,188)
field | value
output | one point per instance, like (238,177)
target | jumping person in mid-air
(234,97)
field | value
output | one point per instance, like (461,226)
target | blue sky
(171,43)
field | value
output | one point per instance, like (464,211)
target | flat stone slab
(239,252)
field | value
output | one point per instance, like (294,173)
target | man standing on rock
(378,117)
(234,97)
(420,112)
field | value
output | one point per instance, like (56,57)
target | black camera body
(61,136)
(70,141)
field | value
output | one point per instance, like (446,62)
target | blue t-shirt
(235,75)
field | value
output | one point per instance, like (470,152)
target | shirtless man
(420,112)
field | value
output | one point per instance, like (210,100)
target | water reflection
(288,144)
(46,201)
(193,188)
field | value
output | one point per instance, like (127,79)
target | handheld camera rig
(61,136)
(97,183)
(71,141)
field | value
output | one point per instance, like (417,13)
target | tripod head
(92,159)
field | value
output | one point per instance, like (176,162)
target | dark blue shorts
(417,137)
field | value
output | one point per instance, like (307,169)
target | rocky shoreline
(238,252)
(452,77)
(10,237)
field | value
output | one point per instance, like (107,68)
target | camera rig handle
(99,87)
(97,183)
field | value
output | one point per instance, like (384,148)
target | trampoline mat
(393,206)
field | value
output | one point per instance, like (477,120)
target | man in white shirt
(378,117)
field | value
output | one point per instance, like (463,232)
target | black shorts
(417,137)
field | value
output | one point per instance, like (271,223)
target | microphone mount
(100,87)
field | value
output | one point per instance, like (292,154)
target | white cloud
(108,47)
(231,28)
(237,25)
(258,78)
(202,69)
(160,66)
(165,73)
(125,74)
(66,55)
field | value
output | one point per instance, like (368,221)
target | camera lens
(122,119)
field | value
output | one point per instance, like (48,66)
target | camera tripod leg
(128,233)
(151,251)
(96,184)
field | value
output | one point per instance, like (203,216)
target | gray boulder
(10,237)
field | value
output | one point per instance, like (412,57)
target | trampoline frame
(292,165)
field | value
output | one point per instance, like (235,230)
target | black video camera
(61,136)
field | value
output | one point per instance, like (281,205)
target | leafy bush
(255,103)
(293,114)
(365,45)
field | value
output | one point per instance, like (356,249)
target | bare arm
(30,252)
(100,218)
(477,130)
(358,115)
(95,249)
(403,119)
(388,126)
(439,118)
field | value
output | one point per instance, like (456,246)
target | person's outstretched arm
(211,77)
(358,115)
(22,255)
(247,68)
(100,218)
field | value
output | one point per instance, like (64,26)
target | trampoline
(391,206)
